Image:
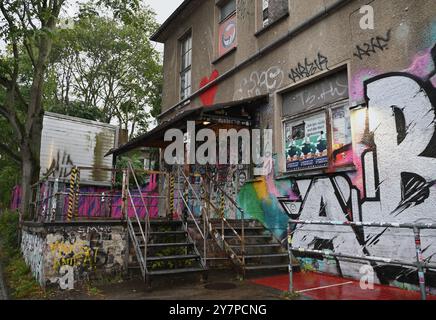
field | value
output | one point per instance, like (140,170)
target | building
(352,109)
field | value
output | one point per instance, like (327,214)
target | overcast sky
(163,8)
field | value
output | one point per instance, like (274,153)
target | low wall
(66,254)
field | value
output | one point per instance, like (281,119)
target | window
(265,14)
(227,9)
(227,27)
(186,64)
(273,10)
(317,126)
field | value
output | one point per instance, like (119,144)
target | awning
(225,113)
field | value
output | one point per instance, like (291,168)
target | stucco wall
(391,76)
(64,255)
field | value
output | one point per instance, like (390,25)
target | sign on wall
(328,90)
(227,35)
(306,143)
(341,135)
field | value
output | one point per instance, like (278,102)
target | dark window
(227,9)
(273,10)
(186,64)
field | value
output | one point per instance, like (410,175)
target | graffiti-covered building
(348,90)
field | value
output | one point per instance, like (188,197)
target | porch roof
(212,114)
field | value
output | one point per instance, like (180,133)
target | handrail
(147,213)
(242,237)
(191,214)
(194,192)
(205,218)
(143,258)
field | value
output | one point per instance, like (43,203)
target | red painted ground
(350,290)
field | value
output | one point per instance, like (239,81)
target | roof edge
(156,36)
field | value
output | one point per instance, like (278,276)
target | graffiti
(309,68)
(32,247)
(60,167)
(398,178)
(208,96)
(371,47)
(258,82)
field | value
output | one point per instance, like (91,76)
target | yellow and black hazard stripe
(172,189)
(223,205)
(72,194)
(76,196)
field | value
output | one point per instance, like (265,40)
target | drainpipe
(292,33)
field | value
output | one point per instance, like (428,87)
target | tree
(120,74)
(26,28)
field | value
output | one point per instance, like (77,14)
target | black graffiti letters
(375,44)
(309,68)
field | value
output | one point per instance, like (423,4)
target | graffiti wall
(33,248)
(66,255)
(394,153)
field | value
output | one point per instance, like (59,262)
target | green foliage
(107,62)
(9,232)
(20,280)
(77,109)
(137,164)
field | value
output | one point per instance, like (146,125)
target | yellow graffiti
(261,189)
(74,255)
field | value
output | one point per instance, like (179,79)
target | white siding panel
(68,142)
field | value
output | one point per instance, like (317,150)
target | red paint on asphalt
(328,287)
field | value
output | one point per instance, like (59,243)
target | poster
(227,35)
(342,141)
(306,143)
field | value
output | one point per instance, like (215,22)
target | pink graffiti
(422,64)
(357,89)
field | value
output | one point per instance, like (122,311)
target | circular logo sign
(229,35)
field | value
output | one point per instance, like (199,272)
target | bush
(19,278)
(9,222)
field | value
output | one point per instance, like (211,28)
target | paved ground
(325,287)
(219,286)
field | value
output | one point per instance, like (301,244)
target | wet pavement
(326,287)
(220,285)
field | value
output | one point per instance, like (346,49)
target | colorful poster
(306,143)
(342,141)
(227,35)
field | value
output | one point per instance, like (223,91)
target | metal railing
(185,199)
(144,232)
(420,263)
(56,199)
(240,258)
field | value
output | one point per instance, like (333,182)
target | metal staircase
(162,247)
(249,245)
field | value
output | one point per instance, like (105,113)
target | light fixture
(206,123)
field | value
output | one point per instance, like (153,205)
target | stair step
(167,258)
(163,245)
(267,267)
(165,222)
(260,236)
(240,228)
(264,256)
(175,271)
(167,233)
(250,246)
